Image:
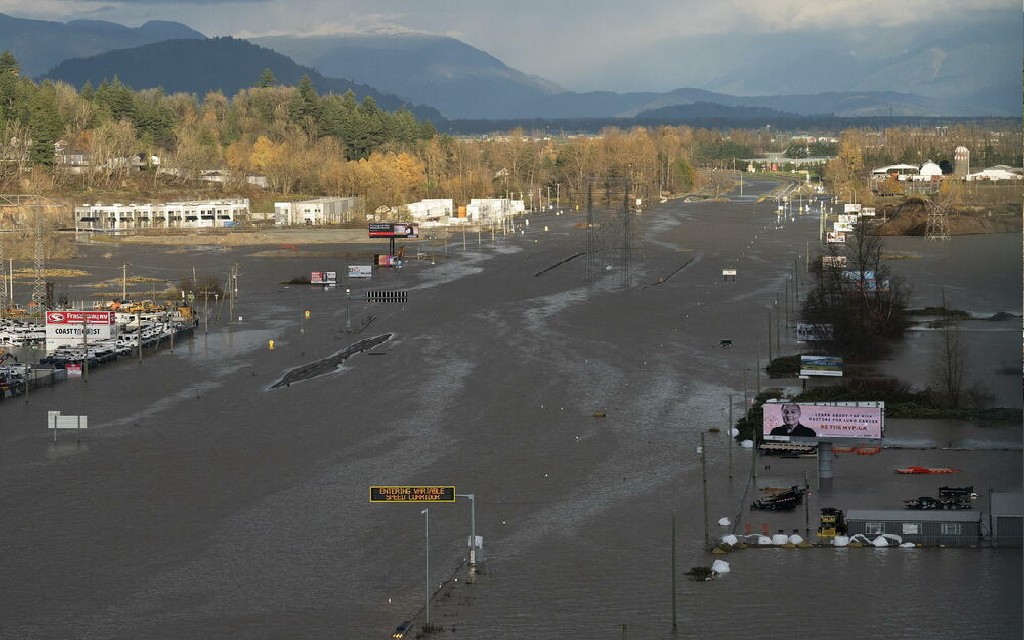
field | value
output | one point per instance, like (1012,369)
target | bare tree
(950,366)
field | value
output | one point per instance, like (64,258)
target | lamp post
(472,527)
(728,436)
(426,520)
(704,482)
(348,309)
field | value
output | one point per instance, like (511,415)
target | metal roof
(916,515)
(1007,504)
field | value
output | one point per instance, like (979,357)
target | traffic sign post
(412,494)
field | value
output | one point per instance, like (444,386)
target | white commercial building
(319,211)
(998,172)
(493,209)
(170,215)
(433,209)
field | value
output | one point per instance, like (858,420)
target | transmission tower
(3,282)
(937,227)
(37,206)
(38,263)
(612,232)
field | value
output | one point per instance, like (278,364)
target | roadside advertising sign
(393,230)
(785,420)
(821,366)
(80,317)
(868,212)
(851,208)
(835,237)
(360,271)
(834,261)
(323,277)
(808,332)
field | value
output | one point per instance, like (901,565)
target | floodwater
(202,503)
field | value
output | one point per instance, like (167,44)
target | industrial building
(169,215)
(1007,519)
(958,528)
(319,211)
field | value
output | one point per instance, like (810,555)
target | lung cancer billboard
(393,230)
(837,420)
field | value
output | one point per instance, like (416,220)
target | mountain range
(459,81)
(225,64)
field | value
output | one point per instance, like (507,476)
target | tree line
(307,144)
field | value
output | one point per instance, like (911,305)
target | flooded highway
(205,501)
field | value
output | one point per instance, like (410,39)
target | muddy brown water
(202,503)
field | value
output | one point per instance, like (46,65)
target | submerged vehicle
(784,500)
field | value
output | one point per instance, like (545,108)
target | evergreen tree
(11,92)
(267,79)
(116,99)
(304,108)
(45,126)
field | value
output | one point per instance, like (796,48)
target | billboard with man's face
(785,420)
(393,230)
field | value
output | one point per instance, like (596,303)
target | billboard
(835,237)
(834,261)
(867,211)
(785,420)
(66,327)
(851,208)
(360,271)
(323,277)
(865,280)
(393,230)
(808,332)
(821,366)
(80,317)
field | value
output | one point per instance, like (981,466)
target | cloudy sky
(621,45)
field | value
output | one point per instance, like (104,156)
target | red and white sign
(80,317)
(66,327)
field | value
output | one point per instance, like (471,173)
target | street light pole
(728,436)
(426,520)
(472,527)
(704,481)
(348,309)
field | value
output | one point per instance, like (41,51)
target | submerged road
(201,503)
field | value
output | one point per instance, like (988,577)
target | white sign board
(66,327)
(56,421)
(360,271)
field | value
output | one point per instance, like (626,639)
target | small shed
(954,528)
(1007,514)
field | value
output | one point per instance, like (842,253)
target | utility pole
(728,436)
(85,347)
(704,481)
(124,281)
(232,291)
(675,626)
